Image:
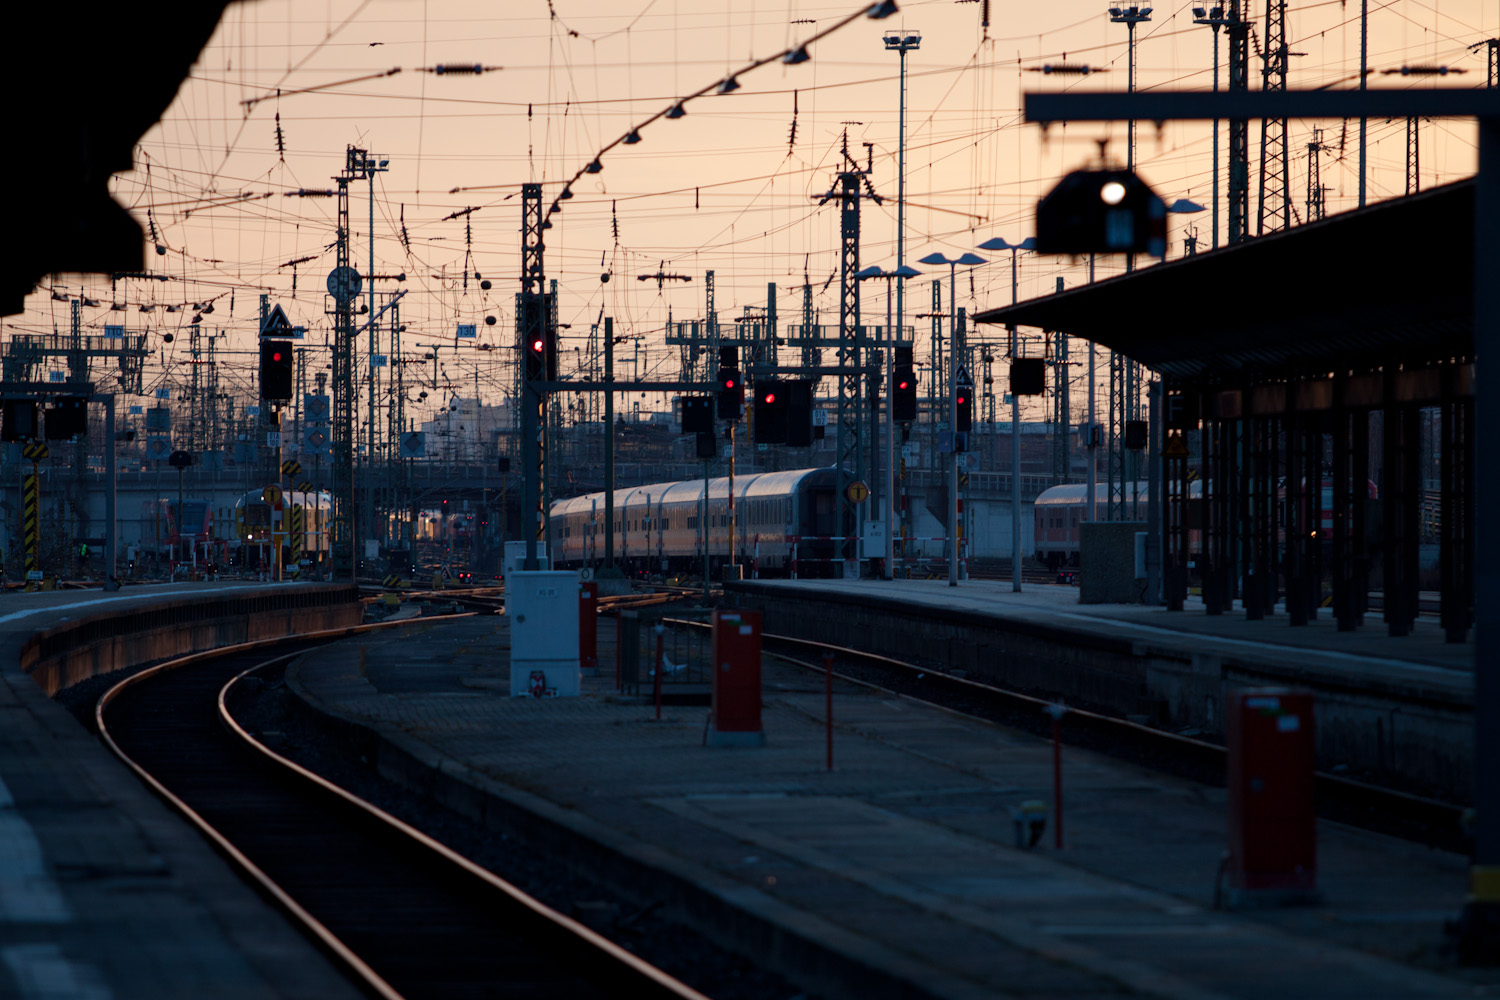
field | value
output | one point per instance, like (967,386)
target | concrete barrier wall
(73,651)
(1408,734)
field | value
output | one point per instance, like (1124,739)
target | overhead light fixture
(594,167)
(676,111)
(881,10)
(565,194)
(633,138)
(727,85)
(797,55)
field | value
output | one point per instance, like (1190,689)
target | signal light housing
(965,415)
(731,391)
(771,412)
(275,369)
(538,340)
(904,395)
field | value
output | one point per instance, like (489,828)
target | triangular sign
(1176,447)
(962,378)
(276,324)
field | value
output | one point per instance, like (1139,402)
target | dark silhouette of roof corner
(1391,282)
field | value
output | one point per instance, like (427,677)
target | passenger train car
(253,524)
(778,517)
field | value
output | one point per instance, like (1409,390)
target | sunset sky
(731,187)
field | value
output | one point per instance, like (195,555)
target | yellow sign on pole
(271,494)
(857,492)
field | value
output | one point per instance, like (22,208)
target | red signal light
(962,399)
(275,355)
(538,345)
(770,398)
(729,383)
(903,384)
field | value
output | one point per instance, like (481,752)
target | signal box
(1273,844)
(734,719)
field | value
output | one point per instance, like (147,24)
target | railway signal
(772,399)
(731,384)
(539,342)
(965,419)
(275,369)
(904,394)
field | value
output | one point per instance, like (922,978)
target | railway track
(1390,811)
(407,916)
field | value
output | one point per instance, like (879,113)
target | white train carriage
(662,528)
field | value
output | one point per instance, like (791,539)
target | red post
(660,630)
(588,628)
(828,699)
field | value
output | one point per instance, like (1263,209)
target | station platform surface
(1423,657)
(104,893)
(902,859)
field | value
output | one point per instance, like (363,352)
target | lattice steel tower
(1274,209)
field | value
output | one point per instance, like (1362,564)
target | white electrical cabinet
(542,607)
(515,558)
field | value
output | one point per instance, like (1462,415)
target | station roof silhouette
(1391,283)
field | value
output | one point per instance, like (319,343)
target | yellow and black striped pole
(29,522)
(295,539)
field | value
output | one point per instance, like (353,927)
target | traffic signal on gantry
(731,385)
(772,402)
(275,369)
(538,339)
(903,386)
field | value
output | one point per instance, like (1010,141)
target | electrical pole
(534,316)
(1316,204)
(1274,209)
(1238,29)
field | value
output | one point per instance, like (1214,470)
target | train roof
(321,498)
(689,490)
(1079,492)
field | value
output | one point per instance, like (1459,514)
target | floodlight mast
(1478,929)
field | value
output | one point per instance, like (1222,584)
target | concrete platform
(1399,711)
(895,874)
(103,892)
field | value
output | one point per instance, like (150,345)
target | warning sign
(1176,446)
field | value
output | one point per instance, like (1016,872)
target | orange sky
(721,189)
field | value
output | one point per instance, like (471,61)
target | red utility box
(734,719)
(1273,836)
(588,628)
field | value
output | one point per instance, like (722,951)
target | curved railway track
(1412,817)
(405,915)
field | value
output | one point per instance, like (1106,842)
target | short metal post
(660,630)
(1057,710)
(828,698)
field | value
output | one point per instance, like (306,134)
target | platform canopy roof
(1388,283)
